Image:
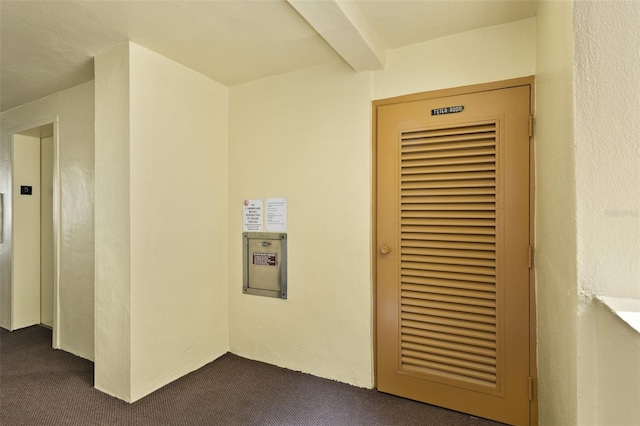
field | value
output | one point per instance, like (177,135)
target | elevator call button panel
(264,261)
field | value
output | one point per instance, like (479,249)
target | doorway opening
(35,228)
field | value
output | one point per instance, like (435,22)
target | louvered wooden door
(452,241)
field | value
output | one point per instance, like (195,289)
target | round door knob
(386,249)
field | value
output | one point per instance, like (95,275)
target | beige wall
(555,223)
(481,56)
(178,160)
(307,136)
(112,224)
(72,110)
(161,211)
(47,232)
(617,363)
(25,211)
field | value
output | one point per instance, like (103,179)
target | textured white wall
(607,151)
(555,226)
(74,111)
(607,72)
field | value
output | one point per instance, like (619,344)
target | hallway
(42,386)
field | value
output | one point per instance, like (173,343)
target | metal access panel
(264,260)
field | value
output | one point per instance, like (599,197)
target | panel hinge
(530,125)
(530,388)
(530,257)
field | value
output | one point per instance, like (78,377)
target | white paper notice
(276,215)
(252,215)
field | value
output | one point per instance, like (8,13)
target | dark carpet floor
(43,386)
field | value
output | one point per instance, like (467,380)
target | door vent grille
(449,188)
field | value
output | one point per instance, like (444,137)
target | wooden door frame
(463,90)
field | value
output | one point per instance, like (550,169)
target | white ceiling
(48,46)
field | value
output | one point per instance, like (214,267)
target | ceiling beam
(342,25)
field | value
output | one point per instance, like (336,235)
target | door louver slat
(449,283)
(448,188)
(476,207)
(446,292)
(453,238)
(455,221)
(449,131)
(454,354)
(433,296)
(448,332)
(475,367)
(449,143)
(446,252)
(478,322)
(435,213)
(419,159)
(437,181)
(438,334)
(431,137)
(471,271)
(422,367)
(465,261)
(412,167)
(452,310)
(449,244)
(468,230)
(468,347)
(449,168)
(466,323)
(448,195)
(471,278)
